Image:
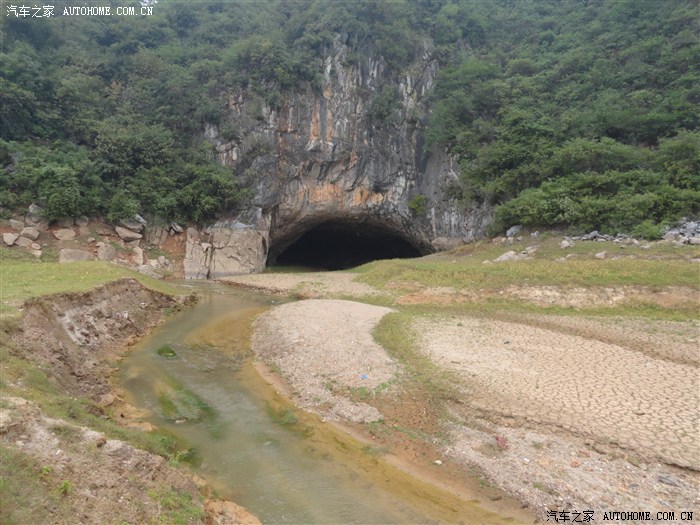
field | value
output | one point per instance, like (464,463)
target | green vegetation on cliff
(576,113)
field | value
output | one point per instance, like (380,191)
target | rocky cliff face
(335,156)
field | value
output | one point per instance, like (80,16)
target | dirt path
(565,412)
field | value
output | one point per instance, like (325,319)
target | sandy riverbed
(564,412)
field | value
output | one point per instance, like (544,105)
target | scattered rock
(671,235)
(512,256)
(508,256)
(24,242)
(128,235)
(107,399)
(176,227)
(575,463)
(16,225)
(514,230)
(9,238)
(601,255)
(565,244)
(669,480)
(67,255)
(132,225)
(30,232)
(138,256)
(221,512)
(64,234)
(155,235)
(34,213)
(535,234)
(146,269)
(106,252)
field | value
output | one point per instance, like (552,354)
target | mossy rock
(166,351)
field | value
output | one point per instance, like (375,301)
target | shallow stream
(195,377)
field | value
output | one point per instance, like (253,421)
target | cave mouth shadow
(339,246)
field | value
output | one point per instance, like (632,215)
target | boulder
(508,256)
(694,241)
(24,242)
(16,225)
(30,232)
(132,225)
(237,251)
(34,213)
(155,235)
(67,255)
(671,235)
(514,230)
(197,257)
(146,269)
(106,252)
(535,234)
(9,238)
(64,234)
(176,227)
(126,234)
(689,228)
(565,244)
(601,255)
(138,256)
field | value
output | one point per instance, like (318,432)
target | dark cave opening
(338,246)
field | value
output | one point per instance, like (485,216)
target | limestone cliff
(331,155)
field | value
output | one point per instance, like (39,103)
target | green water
(254,449)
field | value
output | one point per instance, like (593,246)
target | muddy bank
(75,339)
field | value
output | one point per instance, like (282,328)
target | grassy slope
(22,277)
(27,493)
(463,269)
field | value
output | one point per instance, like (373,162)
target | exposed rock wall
(327,156)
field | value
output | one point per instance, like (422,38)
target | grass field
(464,269)
(22,277)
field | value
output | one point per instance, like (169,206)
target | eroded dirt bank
(564,412)
(90,475)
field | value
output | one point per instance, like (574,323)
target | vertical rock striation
(336,155)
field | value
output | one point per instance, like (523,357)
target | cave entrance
(338,246)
